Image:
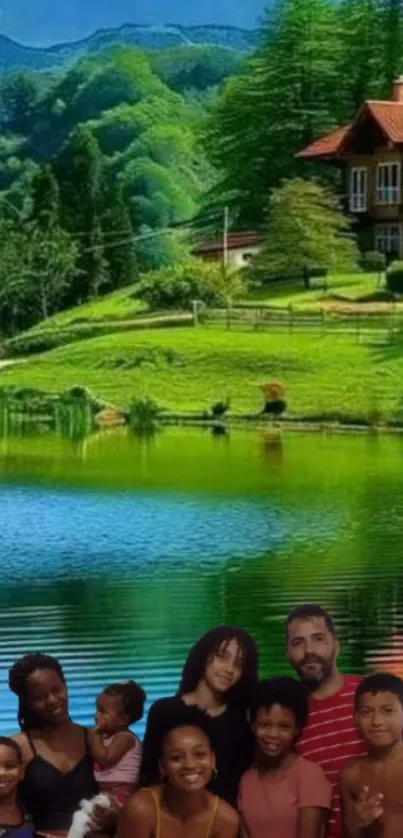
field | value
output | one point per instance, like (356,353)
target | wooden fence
(372,326)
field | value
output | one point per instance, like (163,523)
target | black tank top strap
(31,745)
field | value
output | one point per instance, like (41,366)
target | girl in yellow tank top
(180,805)
(157,801)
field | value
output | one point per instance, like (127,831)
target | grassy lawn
(123,305)
(119,305)
(284,294)
(188,368)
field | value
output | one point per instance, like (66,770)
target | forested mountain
(16,56)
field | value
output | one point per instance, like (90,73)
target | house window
(388,183)
(358,189)
(387,238)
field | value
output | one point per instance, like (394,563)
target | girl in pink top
(115,749)
(282,794)
(116,752)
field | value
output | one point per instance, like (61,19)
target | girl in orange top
(282,794)
(180,803)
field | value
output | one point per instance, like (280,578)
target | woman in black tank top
(58,765)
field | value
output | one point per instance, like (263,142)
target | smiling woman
(185,761)
(58,765)
(219,676)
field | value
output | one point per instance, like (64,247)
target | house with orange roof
(369,153)
(236,250)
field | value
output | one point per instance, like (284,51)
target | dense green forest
(103,162)
(94,161)
(316,62)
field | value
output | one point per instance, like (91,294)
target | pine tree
(360,68)
(79,170)
(285,96)
(306,230)
(118,235)
(45,198)
(390,39)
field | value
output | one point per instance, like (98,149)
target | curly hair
(285,691)
(132,697)
(172,715)
(205,649)
(17,681)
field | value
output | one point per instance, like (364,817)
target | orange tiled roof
(388,115)
(234,240)
(326,146)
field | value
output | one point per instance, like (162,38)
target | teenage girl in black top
(219,676)
(58,764)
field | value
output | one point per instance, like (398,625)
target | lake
(118,552)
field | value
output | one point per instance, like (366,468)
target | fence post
(195,309)
(228,316)
(257,318)
(322,324)
(357,330)
(290,321)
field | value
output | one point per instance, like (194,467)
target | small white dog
(82,819)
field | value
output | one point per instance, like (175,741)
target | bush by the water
(373,262)
(394,277)
(179,285)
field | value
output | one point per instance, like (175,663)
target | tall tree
(306,230)
(360,67)
(118,236)
(79,170)
(285,96)
(391,42)
(45,198)
(19,94)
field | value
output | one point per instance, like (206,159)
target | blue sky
(44,22)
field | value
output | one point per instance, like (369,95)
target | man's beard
(314,681)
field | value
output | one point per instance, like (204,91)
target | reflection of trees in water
(371,604)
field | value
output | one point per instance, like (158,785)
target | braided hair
(17,681)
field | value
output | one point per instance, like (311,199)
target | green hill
(189,369)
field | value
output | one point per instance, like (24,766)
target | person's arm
(243,832)
(227,822)
(358,813)
(109,755)
(138,818)
(311,820)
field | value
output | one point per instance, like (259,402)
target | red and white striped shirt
(331,738)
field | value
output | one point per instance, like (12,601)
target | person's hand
(368,809)
(105,819)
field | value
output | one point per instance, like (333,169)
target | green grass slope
(188,369)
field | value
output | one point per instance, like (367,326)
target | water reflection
(118,552)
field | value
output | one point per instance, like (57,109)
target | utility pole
(225,237)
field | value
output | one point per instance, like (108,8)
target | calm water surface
(117,553)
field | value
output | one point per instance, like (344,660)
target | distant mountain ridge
(16,56)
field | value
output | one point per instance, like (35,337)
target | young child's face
(110,716)
(11,771)
(275,730)
(380,719)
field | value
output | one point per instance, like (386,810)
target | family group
(315,756)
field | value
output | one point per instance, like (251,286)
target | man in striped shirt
(330,737)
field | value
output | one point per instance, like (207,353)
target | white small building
(239,248)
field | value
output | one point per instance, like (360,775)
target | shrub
(373,262)
(394,277)
(179,285)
